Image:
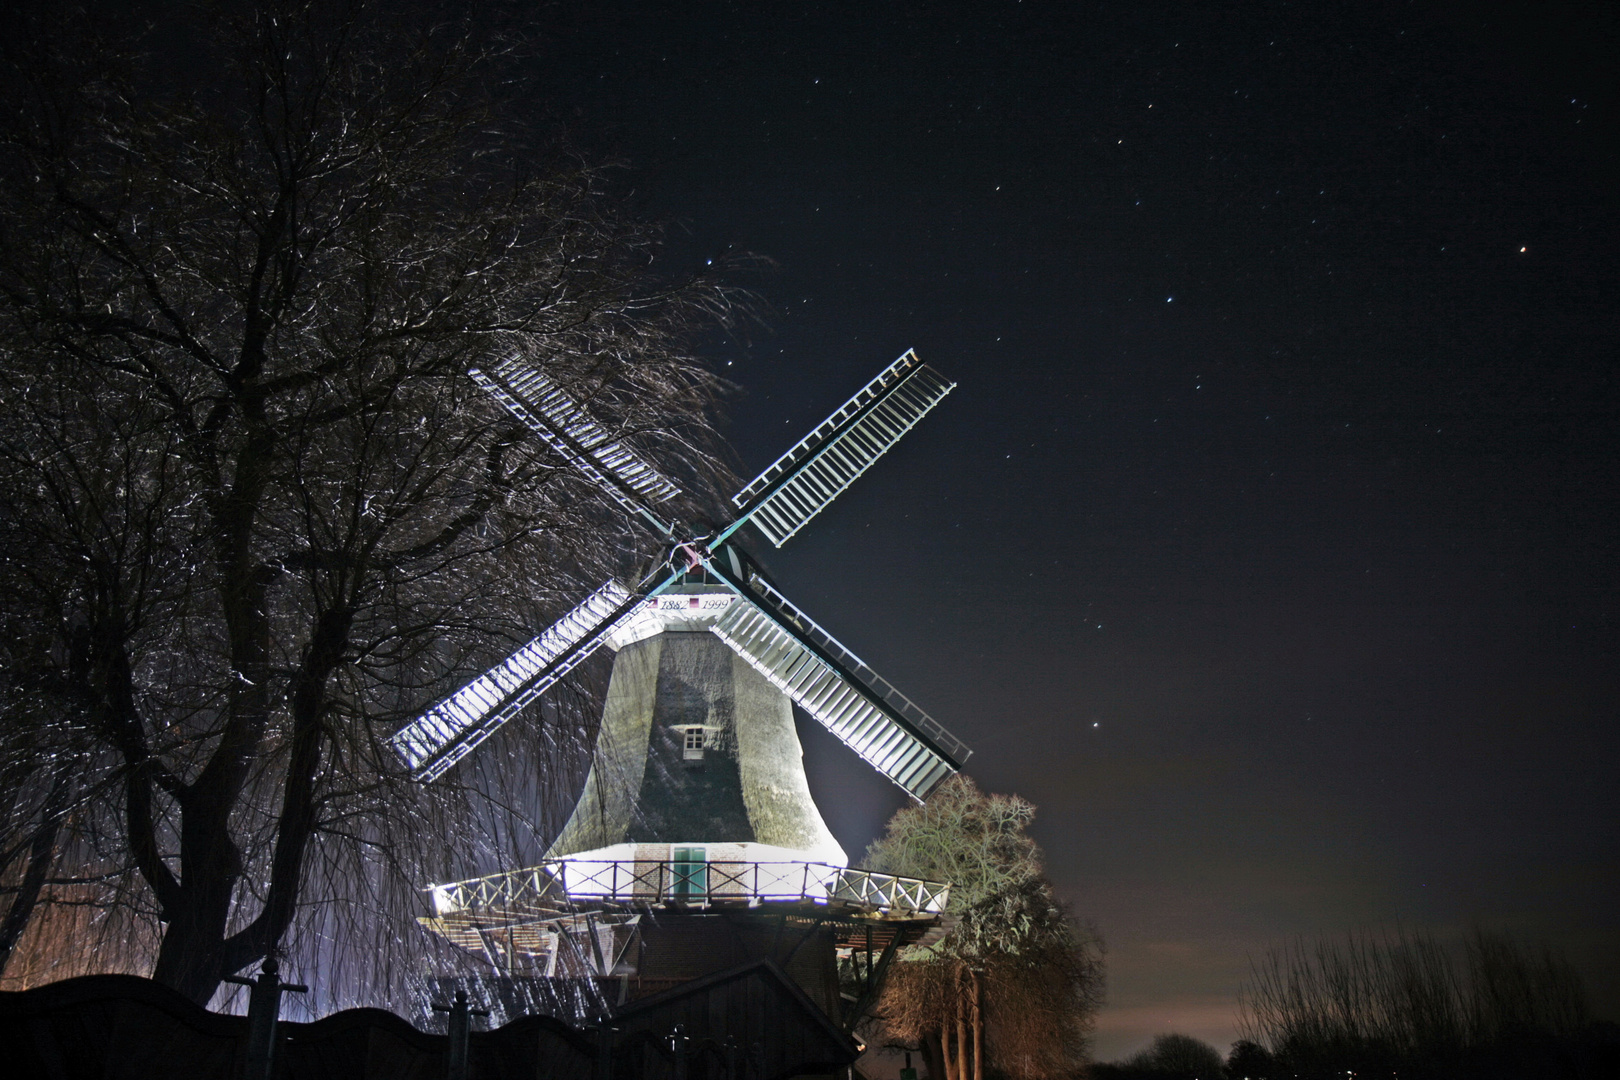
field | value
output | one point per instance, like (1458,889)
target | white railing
(565,881)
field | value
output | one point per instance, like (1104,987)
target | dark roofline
(51,997)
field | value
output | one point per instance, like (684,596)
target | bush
(1171,1057)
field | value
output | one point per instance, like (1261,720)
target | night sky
(1268,541)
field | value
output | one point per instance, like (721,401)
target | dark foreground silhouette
(750,1022)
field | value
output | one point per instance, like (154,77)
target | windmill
(696,796)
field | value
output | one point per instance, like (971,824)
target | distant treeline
(1407,1005)
(1401,1006)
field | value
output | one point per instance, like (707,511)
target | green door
(690,868)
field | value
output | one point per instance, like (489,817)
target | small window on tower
(692,746)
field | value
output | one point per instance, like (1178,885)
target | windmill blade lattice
(836,687)
(449,731)
(885,728)
(534,398)
(801,483)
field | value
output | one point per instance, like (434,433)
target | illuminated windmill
(696,795)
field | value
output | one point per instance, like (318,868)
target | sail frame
(864,710)
(564,425)
(432,743)
(821,466)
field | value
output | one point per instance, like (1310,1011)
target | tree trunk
(961,1032)
(195,953)
(189,955)
(978,1027)
(933,1050)
(41,852)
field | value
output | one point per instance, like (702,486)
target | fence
(565,881)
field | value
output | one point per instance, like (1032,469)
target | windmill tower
(696,839)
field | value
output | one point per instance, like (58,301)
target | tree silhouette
(1015,984)
(1181,1057)
(1250,1061)
(255,513)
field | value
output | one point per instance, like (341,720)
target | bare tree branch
(256,513)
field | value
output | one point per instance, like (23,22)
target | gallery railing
(565,881)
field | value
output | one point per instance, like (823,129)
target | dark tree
(1170,1057)
(255,514)
(1250,1061)
(1179,1057)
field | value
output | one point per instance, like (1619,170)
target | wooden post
(264,1009)
(678,1043)
(604,1051)
(460,1027)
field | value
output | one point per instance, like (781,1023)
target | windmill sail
(833,685)
(446,733)
(801,483)
(535,399)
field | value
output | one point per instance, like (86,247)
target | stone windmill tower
(696,828)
